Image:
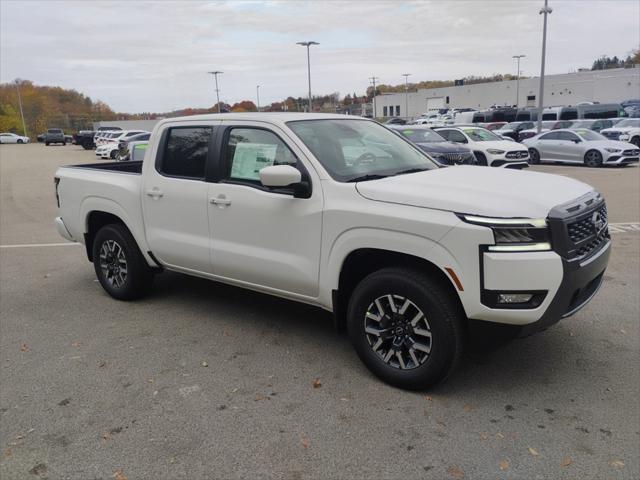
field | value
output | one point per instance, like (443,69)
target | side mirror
(576,140)
(279,176)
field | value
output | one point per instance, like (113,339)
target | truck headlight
(495,151)
(514,234)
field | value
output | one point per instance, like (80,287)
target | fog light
(514,297)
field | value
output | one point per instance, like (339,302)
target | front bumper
(580,282)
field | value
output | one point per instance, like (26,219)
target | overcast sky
(152,56)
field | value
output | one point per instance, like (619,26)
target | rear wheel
(405,327)
(20,140)
(534,156)
(481,158)
(46,143)
(120,267)
(593,158)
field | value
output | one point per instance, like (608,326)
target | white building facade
(604,86)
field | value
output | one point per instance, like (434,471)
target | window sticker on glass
(250,158)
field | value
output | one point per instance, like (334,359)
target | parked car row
(112,144)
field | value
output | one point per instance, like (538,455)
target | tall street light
(518,80)
(546,10)
(215,74)
(373,80)
(406,94)
(308,44)
(24,128)
(258,95)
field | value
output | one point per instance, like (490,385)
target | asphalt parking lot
(202,380)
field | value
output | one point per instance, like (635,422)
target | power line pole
(373,80)
(308,44)
(24,128)
(406,95)
(258,95)
(546,10)
(518,80)
(215,74)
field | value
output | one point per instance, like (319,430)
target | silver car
(580,146)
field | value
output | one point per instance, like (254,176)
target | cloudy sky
(152,56)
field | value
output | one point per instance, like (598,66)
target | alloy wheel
(398,332)
(113,263)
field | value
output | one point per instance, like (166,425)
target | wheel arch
(363,261)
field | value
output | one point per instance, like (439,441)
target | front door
(262,237)
(175,201)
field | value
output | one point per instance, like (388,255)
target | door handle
(154,193)
(220,200)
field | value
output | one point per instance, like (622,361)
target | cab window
(248,150)
(185,152)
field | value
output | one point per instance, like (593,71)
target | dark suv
(445,153)
(54,135)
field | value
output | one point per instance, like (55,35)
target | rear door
(174,196)
(547,146)
(260,236)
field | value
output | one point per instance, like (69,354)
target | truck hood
(494,192)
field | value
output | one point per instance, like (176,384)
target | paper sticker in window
(250,158)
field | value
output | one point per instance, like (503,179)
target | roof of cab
(270,117)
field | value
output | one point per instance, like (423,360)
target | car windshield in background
(422,135)
(54,130)
(358,150)
(630,122)
(590,135)
(548,124)
(582,124)
(481,135)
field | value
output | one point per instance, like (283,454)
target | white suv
(490,149)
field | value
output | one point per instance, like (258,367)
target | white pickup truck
(342,213)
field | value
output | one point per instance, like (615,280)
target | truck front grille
(581,229)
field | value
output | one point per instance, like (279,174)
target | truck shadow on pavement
(493,358)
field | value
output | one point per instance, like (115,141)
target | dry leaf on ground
(484,435)
(23,347)
(467,408)
(533,451)
(304,441)
(504,464)
(118,475)
(317,383)
(75,344)
(455,472)
(566,462)
(616,463)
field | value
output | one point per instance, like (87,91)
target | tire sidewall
(138,272)
(444,345)
(534,156)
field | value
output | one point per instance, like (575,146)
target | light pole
(406,95)
(373,80)
(546,10)
(518,80)
(24,128)
(215,74)
(258,95)
(308,44)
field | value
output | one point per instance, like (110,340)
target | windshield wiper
(370,176)
(411,170)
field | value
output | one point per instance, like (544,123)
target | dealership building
(603,86)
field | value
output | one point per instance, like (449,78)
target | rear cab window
(185,151)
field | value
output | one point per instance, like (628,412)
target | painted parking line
(624,227)
(37,245)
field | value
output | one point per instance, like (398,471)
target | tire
(482,159)
(635,141)
(46,143)
(534,156)
(114,248)
(64,144)
(593,158)
(113,155)
(20,141)
(440,327)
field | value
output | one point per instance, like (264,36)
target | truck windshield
(359,150)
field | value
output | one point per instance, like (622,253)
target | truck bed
(120,167)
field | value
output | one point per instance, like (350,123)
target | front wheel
(20,141)
(593,158)
(120,267)
(635,141)
(534,156)
(481,158)
(405,327)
